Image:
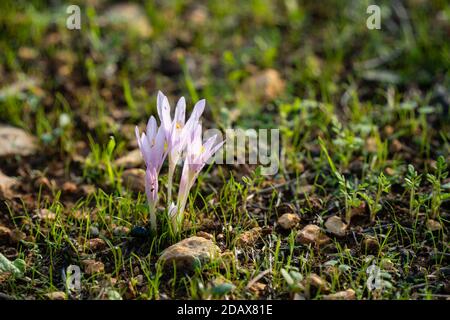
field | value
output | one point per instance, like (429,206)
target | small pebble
(94,232)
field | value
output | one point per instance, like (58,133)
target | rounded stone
(189,253)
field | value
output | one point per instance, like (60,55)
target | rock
(288,221)
(189,253)
(370,244)
(389,171)
(27,53)
(133,159)
(358,211)
(140,232)
(396,146)
(5,234)
(298,296)
(45,215)
(69,187)
(198,15)
(16,142)
(258,288)
(121,231)
(16,236)
(87,189)
(205,235)
(134,179)
(43,182)
(266,85)
(57,295)
(356,167)
(95,244)
(6,186)
(79,215)
(311,234)
(8,236)
(128,17)
(308,188)
(248,237)
(348,294)
(92,266)
(336,226)
(389,130)
(371,144)
(94,232)
(316,282)
(433,225)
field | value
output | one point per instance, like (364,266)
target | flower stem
(169,183)
(183,195)
(153,222)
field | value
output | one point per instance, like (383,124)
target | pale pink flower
(177,131)
(180,132)
(197,155)
(163,107)
(176,138)
(151,143)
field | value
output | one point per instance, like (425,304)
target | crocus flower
(177,132)
(152,146)
(197,154)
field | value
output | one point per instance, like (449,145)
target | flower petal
(151,185)
(163,107)
(180,112)
(193,120)
(151,127)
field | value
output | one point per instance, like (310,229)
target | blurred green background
(251,60)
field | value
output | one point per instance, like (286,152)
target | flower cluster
(179,140)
